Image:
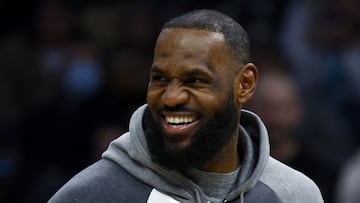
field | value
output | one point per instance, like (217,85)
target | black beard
(209,140)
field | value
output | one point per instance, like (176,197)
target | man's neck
(226,161)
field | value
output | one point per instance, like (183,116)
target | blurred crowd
(72,72)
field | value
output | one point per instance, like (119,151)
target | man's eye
(159,78)
(196,80)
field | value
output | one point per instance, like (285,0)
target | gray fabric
(215,185)
(100,183)
(130,151)
(261,193)
(290,185)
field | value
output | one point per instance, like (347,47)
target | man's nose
(175,94)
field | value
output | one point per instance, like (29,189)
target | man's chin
(177,144)
(193,150)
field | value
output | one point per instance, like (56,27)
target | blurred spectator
(53,34)
(104,23)
(20,78)
(279,105)
(54,23)
(320,40)
(83,75)
(348,187)
(143,23)
(19,83)
(132,67)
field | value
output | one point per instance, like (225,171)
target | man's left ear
(245,83)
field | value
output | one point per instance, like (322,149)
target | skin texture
(193,74)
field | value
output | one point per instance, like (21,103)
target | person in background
(347,187)
(278,103)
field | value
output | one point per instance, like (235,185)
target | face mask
(83,79)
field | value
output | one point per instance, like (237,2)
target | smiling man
(192,142)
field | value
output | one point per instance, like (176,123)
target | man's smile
(178,121)
(179,124)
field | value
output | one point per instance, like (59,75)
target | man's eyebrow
(156,69)
(198,71)
(207,70)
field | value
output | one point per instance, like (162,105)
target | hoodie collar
(130,151)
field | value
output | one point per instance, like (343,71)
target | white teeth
(179,119)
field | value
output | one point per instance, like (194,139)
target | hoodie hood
(130,152)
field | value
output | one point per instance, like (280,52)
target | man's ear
(245,83)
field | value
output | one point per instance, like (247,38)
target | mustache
(176,109)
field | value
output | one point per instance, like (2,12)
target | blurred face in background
(278,104)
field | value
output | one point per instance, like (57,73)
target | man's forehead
(190,36)
(188,42)
(189,46)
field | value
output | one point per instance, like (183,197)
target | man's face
(190,96)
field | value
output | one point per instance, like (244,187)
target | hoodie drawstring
(242,197)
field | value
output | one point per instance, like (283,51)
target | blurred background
(72,72)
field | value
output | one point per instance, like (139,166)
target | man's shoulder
(103,181)
(289,184)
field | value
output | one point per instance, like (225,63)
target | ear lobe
(246,80)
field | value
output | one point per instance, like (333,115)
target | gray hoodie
(260,179)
